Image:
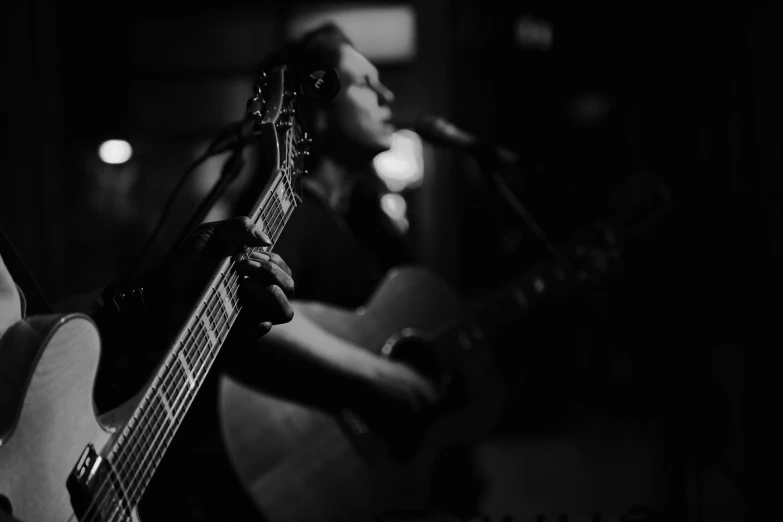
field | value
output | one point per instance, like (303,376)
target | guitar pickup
(95,490)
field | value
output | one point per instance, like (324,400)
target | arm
(306,363)
(308,343)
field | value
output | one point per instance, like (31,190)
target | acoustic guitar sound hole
(451,385)
(418,354)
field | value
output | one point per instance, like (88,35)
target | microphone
(318,85)
(440,131)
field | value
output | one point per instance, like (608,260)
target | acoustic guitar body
(303,464)
(48,366)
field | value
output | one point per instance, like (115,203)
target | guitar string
(265,213)
(180,409)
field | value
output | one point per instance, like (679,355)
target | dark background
(693,98)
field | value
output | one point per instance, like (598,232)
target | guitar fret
(225,303)
(166,406)
(177,378)
(207,324)
(186,368)
(282,197)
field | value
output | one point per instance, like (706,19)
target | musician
(333,240)
(339,244)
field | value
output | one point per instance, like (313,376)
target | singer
(339,245)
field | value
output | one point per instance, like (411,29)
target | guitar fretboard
(145,438)
(480,324)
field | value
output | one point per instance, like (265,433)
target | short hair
(317,48)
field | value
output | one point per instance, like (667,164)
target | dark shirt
(340,259)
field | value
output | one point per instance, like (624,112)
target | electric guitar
(299,463)
(59,462)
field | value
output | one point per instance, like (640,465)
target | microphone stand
(508,195)
(228,174)
(213,149)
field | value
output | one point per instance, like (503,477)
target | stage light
(115,152)
(533,33)
(402,166)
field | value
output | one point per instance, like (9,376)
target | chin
(384,143)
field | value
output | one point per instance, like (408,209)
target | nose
(385,95)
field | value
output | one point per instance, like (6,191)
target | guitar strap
(34,301)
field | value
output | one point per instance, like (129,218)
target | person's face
(358,117)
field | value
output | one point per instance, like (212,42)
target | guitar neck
(480,323)
(140,447)
(516,298)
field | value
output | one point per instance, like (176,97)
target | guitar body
(301,464)
(48,365)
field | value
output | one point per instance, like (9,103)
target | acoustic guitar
(58,461)
(299,463)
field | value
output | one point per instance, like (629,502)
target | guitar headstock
(274,109)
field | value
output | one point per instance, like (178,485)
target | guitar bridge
(96,492)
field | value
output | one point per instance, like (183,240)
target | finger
(264,327)
(265,273)
(239,229)
(249,327)
(421,385)
(271,256)
(267,303)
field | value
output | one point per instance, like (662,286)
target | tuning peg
(261,79)
(255,106)
(306,139)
